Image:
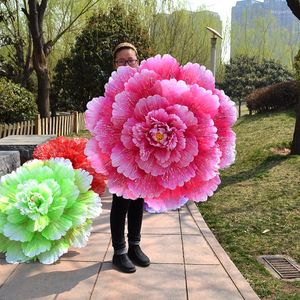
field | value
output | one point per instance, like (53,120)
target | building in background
(266,29)
(183,34)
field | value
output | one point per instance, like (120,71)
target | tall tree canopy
(84,72)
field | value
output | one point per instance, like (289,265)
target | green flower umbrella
(46,207)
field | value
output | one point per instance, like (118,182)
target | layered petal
(162,133)
(39,213)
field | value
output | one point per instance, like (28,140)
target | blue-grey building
(245,12)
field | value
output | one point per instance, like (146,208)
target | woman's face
(126,57)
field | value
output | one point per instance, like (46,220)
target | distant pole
(213,51)
(213,55)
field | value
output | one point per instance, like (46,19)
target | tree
(294,5)
(16,42)
(264,37)
(182,34)
(83,73)
(35,13)
(244,74)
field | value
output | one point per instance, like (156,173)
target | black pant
(134,210)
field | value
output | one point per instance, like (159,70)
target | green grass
(260,192)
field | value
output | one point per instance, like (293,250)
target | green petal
(61,167)
(2,221)
(77,213)
(83,180)
(93,203)
(69,190)
(17,232)
(14,216)
(57,250)
(4,243)
(78,237)
(36,246)
(5,201)
(38,225)
(57,208)
(57,228)
(53,186)
(14,254)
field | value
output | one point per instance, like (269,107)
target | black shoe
(123,263)
(137,256)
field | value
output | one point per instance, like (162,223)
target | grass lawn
(256,210)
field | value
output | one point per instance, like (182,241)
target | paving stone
(166,249)
(156,282)
(210,283)
(65,280)
(101,223)
(5,270)
(197,251)
(161,223)
(94,251)
(9,161)
(188,225)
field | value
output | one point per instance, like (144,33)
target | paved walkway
(187,262)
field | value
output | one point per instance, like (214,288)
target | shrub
(83,74)
(16,103)
(245,74)
(277,96)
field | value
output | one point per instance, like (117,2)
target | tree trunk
(43,101)
(295,149)
(294,6)
(40,52)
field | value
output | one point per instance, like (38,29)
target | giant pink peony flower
(161,132)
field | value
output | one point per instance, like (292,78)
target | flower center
(159,136)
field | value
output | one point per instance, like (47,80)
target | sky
(223,7)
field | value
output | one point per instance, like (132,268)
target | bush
(16,103)
(83,74)
(277,96)
(245,74)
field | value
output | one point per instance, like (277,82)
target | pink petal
(146,186)
(166,67)
(199,100)
(146,105)
(124,160)
(123,107)
(127,135)
(99,160)
(118,184)
(175,176)
(155,205)
(107,135)
(142,84)
(196,74)
(117,81)
(150,166)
